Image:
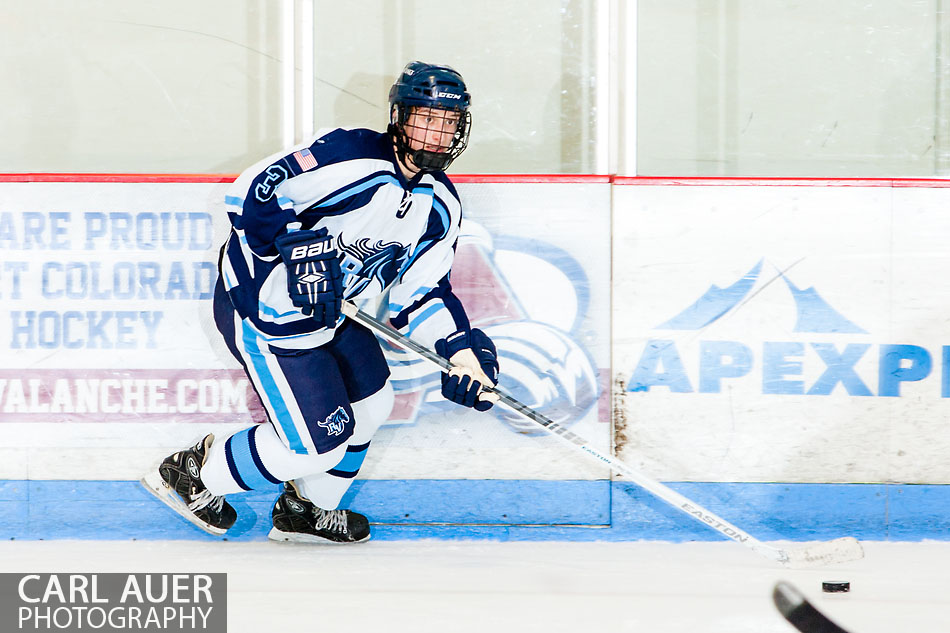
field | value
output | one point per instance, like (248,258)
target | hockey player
(352,214)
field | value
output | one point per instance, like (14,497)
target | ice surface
(489,587)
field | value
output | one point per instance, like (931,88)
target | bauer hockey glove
(469,352)
(314,280)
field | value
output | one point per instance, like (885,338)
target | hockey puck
(836,586)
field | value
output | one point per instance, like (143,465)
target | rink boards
(775,347)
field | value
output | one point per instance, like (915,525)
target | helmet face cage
(442,91)
(439,119)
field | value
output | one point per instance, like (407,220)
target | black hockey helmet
(422,85)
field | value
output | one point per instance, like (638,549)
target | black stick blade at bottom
(800,613)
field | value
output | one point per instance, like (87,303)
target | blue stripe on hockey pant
(248,349)
(301,390)
(272,395)
(245,463)
(307,393)
(350,465)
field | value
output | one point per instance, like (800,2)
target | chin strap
(430,161)
(423,160)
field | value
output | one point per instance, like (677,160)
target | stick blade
(840,550)
(800,613)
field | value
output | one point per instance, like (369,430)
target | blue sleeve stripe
(396,308)
(420,251)
(271,312)
(419,319)
(356,188)
(401,319)
(235,259)
(283,337)
(228,282)
(420,294)
(443,213)
(234,201)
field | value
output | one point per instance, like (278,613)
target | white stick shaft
(670,496)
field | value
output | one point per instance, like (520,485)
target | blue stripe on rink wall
(502,510)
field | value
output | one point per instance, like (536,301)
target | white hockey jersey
(392,235)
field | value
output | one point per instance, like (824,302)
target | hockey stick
(838,550)
(800,613)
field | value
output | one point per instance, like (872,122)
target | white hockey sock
(256,458)
(326,488)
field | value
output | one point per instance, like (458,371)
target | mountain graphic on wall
(815,314)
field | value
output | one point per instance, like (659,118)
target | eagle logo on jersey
(335,423)
(364,262)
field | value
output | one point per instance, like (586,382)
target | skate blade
(154,483)
(296,537)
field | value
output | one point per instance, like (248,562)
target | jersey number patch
(265,189)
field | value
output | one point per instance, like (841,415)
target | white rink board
(846,383)
(107,338)
(820,357)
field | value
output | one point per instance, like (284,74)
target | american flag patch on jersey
(305,159)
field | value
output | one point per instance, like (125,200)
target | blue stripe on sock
(350,465)
(342,475)
(244,462)
(252,441)
(229,455)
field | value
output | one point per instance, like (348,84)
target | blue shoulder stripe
(443,214)
(374,180)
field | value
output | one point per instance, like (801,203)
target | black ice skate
(177,483)
(296,519)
